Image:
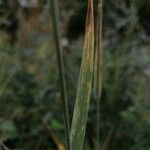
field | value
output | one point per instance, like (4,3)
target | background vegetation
(30,102)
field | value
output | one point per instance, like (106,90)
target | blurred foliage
(29,91)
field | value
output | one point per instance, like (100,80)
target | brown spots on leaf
(90,18)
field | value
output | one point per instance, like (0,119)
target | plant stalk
(55,16)
(98,65)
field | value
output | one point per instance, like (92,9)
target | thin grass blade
(53,4)
(98,67)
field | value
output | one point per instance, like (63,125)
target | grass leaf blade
(84,86)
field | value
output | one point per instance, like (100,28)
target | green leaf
(84,86)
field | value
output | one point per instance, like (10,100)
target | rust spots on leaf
(89,31)
(90,18)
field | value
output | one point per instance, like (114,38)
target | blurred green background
(30,103)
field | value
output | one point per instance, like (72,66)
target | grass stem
(55,16)
(98,65)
